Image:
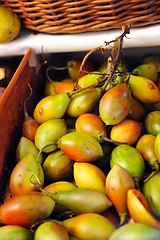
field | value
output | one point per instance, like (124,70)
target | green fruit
(152,122)
(26,147)
(51,107)
(84,102)
(93,200)
(25,175)
(14,232)
(129,158)
(89,79)
(147,70)
(135,231)
(49,132)
(51,230)
(155,60)
(57,166)
(152,193)
(9,25)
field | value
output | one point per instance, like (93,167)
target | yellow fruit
(9,25)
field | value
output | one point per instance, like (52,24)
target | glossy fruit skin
(152,193)
(51,107)
(80,147)
(57,166)
(29,128)
(59,186)
(115,104)
(152,122)
(89,79)
(157,147)
(147,70)
(92,124)
(14,232)
(130,159)
(118,182)
(26,147)
(49,132)
(50,230)
(150,93)
(25,175)
(146,146)
(84,102)
(139,209)
(127,130)
(28,209)
(89,226)
(88,175)
(64,87)
(94,201)
(135,231)
(56,187)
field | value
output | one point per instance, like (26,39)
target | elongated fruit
(89,226)
(80,147)
(115,104)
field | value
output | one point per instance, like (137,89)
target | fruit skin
(49,132)
(151,192)
(14,232)
(26,147)
(127,130)
(84,102)
(139,209)
(27,209)
(51,107)
(89,175)
(129,158)
(150,93)
(10,25)
(25,175)
(89,226)
(115,104)
(50,230)
(57,166)
(80,147)
(152,122)
(135,231)
(147,70)
(92,124)
(57,187)
(146,146)
(92,199)
(118,182)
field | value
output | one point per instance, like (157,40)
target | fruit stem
(26,115)
(123,218)
(104,138)
(154,167)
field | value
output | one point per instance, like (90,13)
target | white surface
(139,37)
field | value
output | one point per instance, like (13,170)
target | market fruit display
(89,170)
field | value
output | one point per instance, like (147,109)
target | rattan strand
(66,16)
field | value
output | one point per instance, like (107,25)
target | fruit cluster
(87,164)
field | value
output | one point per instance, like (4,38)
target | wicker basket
(75,16)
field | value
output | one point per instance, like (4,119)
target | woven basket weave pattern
(66,16)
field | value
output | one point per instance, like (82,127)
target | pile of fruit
(87,164)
